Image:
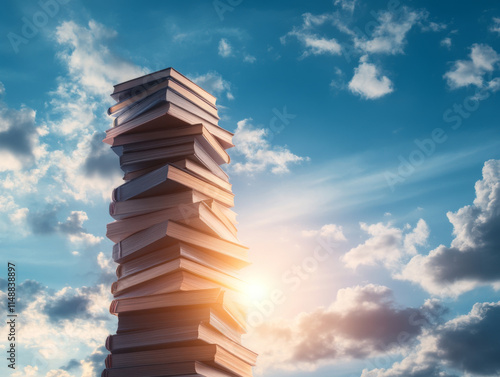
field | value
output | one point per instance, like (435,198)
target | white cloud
(73,176)
(106,263)
(73,228)
(483,59)
(19,216)
(2,89)
(28,371)
(318,46)
(348,5)
(418,236)
(472,258)
(332,231)
(368,82)
(89,60)
(59,373)
(495,28)
(259,154)
(389,37)
(60,326)
(213,83)
(312,42)
(387,245)
(249,59)
(225,48)
(446,42)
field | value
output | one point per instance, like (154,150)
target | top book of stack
(163,100)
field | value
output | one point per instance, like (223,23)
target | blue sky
(366,173)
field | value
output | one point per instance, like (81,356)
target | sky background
(366,173)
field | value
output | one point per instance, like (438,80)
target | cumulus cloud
(59,325)
(84,166)
(20,144)
(89,60)
(368,82)
(13,221)
(466,345)
(225,48)
(253,145)
(45,222)
(483,60)
(363,321)
(88,170)
(332,231)
(389,37)
(472,259)
(387,245)
(73,228)
(214,83)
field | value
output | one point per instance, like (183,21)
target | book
(162,272)
(180,279)
(226,299)
(200,334)
(168,179)
(168,84)
(201,172)
(165,95)
(136,207)
(186,369)
(210,354)
(188,316)
(222,215)
(167,115)
(180,250)
(126,89)
(178,294)
(156,139)
(167,233)
(196,215)
(131,161)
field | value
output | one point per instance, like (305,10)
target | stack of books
(177,296)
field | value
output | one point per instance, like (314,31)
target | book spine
(108,362)
(109,342)
(113,306)
(117,251)
(119,271)
(115,195)
(114,287)
(111,208)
